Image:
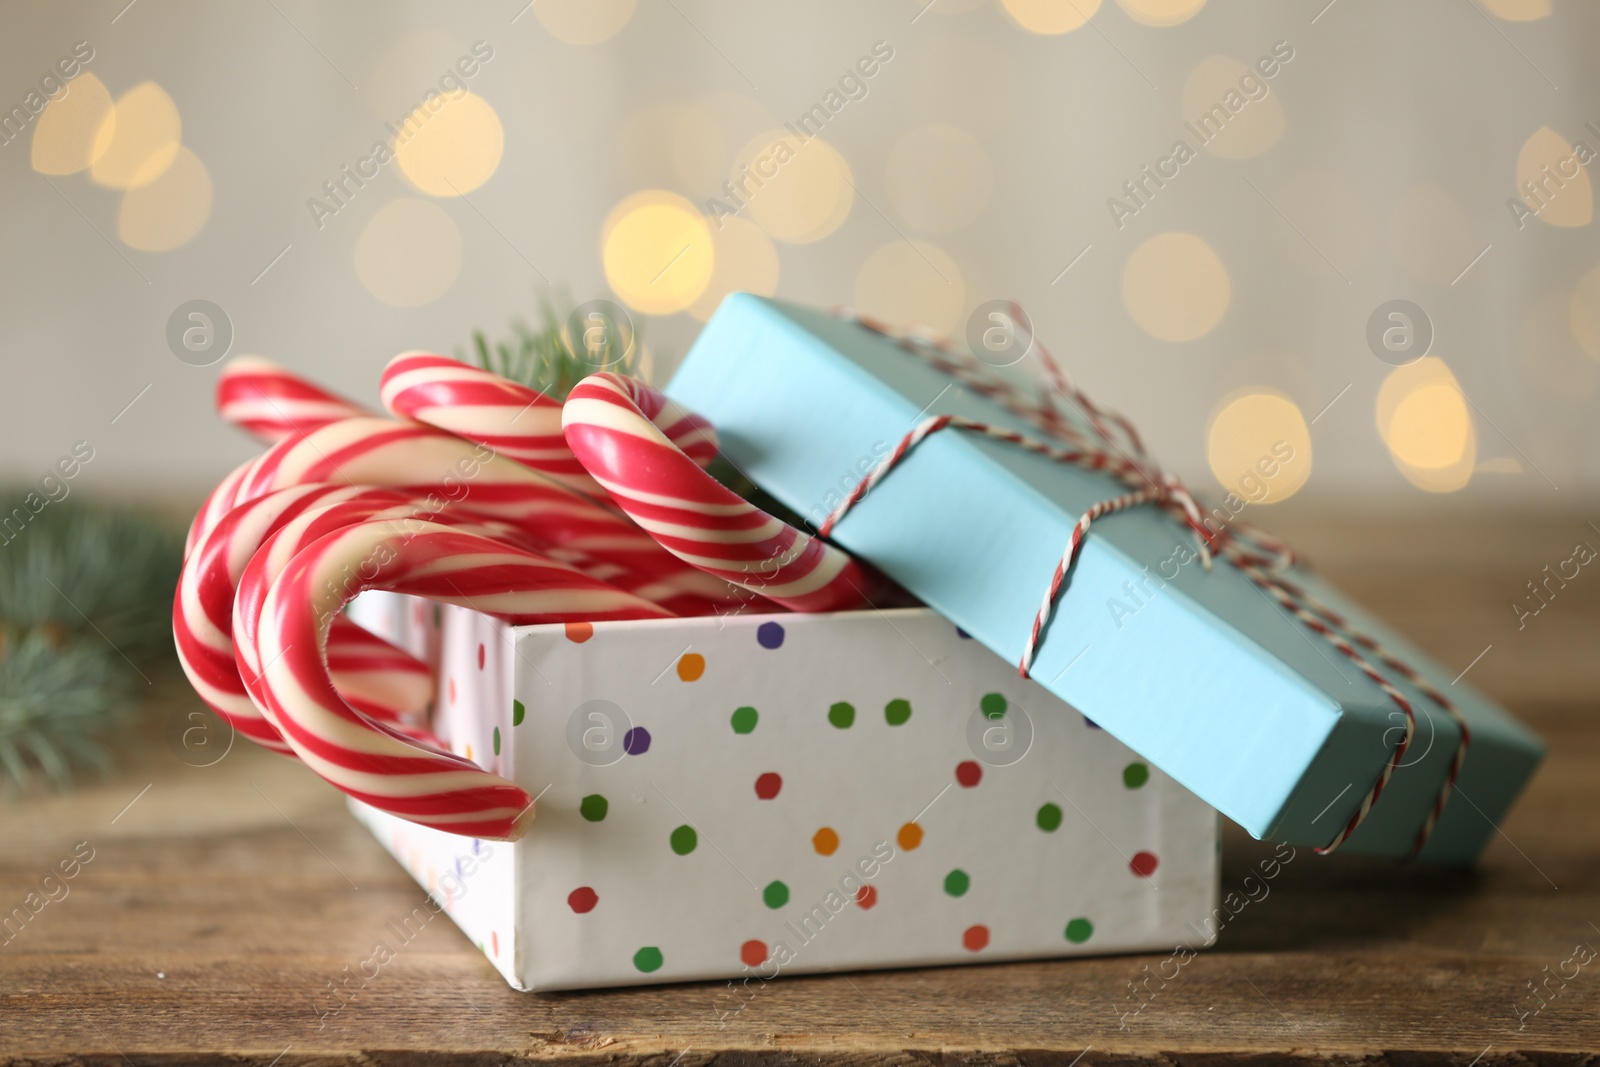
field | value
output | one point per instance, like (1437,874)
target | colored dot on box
(648,959)
(842,714)
(897,712)
(480,655)
(968,773)
(909,837)
(776,895)
(975,938)
(957,882)
(582,900)
(579,632)
(518,711)
(963,634)
(993,705)
(683,840)
(497,740)
(768,784)
(593,807)
(825,841)
(769,635)
(744,720)
(1135,774)
(1079,931)
(1049,818)
(866,897)
(753,953)
(1143,864)
(452,688)
(691,665)
(636,742)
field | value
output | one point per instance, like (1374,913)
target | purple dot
(963,634)
(636,742)
(477,847)
(769,635)
(1090,723)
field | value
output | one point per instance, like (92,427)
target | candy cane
(613,425)
(510,418)
(264,399)
(366,758)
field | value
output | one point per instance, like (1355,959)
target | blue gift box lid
(1201,672)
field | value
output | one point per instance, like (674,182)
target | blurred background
(1363,229)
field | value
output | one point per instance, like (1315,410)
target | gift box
(1198,670)
(748,795)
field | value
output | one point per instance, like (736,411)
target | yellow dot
(1259,447)
(1583,312)
(1231,108)
(745,261)
(167,212)
(938,177)
(409,253)
(1518,10)
(64,139)
(658,252)
(1552,182)
(1175,287)
(1161,12)
(138,140)
(1424,420)
(450,145)
(691,665)
(1429,235)
(1050,16)
(584,21)
(911,283)
(797,190)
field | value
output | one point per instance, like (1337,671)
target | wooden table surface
(220,901)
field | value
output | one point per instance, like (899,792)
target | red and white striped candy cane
(271,402)
(369,759)
(613,424)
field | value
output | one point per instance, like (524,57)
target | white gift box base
(732,796)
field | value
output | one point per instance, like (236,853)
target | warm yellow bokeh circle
(450,145)
(1259,447)
(658,252)
(1175,287)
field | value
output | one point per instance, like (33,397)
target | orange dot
(866,896)
(579,632)
(452,690)
(469,751)
(691,665)
(825,841)
(910,836)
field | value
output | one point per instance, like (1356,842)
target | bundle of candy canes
(478,492)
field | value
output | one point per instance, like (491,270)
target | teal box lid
(1198,671)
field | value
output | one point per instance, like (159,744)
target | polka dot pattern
(909,837)
(648,959)
(975,938)
(768,785)
(1143,864)
(684,840)
(583,899)
(969,773)
(1048,818)
(775,895)
(897,712)
(593,807)
(636,742)
(1079,930)
(1135,775)
(691,665)
(753,953)
(744,720)
(842,715)
(957,882)
(769,635)
(579,632)
(825,841)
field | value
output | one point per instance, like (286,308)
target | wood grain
(219,904)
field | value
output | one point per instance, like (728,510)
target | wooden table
(221,900)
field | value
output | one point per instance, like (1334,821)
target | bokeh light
(409,253)
(658,252)
(1215,103)
(1428,234)
(939,177)
(798,191)
(1050,16)
(1583,312)
(450,145)
(912,283)
(65,137)
(162,215)
(1175,287)
(1424,420)
(138,140)
(1259,447)
(745,260)
(584,21)
(1161,12)
(705,135)
(1562,194)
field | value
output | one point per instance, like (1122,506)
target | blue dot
(636,742)
(769,635)
(1090,723)
(963,634)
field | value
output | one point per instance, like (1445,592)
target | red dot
(767,785)
(867,896)
(976,938)
(1143,864)
(968,773)
(753,953)
(494,942)
(583,899)
(452,690)
(480,657)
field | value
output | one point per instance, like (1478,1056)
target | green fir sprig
(551,359)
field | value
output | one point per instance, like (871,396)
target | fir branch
(551,360)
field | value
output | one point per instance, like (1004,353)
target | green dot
(647,959)
(438,616)
(956,882)
(776,894)
(1049,818)
(1134,775)
(1078,931)
(897,712)
(593,807)
(842,715)
(684,840)
(518,710)
(744,720)
(993,705)
(497,740)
